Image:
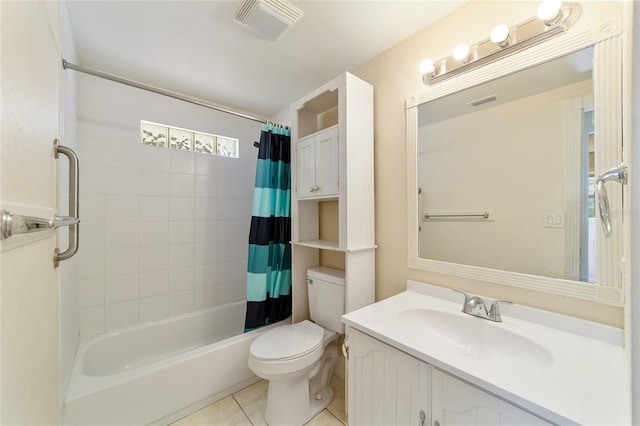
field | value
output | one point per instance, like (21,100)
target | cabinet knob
(436,423)
(422,417)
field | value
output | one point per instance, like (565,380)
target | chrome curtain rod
(157,90)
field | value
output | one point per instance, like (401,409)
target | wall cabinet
(389,387)
(317,164)
(332,163)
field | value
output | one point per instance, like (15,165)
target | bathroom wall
(164,232)
(396,77)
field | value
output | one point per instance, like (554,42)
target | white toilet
(298,359)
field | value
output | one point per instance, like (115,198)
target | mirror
(501,166)
(497,192)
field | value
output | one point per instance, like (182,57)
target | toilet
(298,359)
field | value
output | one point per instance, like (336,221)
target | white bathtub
(158,372)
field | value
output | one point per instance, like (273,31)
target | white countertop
(586,383)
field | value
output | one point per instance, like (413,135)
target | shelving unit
(334,227)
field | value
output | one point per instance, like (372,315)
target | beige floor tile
(253,401)
(324,418)
(225,412)
(337,406)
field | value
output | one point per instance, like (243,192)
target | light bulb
(427,66)
(500,35)
(549,10)
(461,52)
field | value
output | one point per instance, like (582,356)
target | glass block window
(154,134)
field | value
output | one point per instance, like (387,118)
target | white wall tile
(206,187)
(228,166)
(91,292)
(207,165)
(91,149)
(228,230)
(122,235)
(206,275)
(154,258)
(90,264)
(154,184)
(122,208)
(92,236)
(227,210)
(154,308)
(206,231)
(228,293)
(206,297)
(123,181)
(154,158)
(228,188)
(181,232)
(119,153)
(181,185)
(154,208)
(181,256)
(182,161)
(93,207)
(94,179)
(181,303)
(181,209)
(122,314)
(121,261)
(207,208)
(181,279)
(206,253)
(120,288)
(154,234)
(154,283)
(92,321)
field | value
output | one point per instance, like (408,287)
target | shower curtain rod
(68,65)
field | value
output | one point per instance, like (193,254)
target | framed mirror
(501,168)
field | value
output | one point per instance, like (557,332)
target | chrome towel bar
(483,215)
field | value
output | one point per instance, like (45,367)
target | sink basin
(476,337)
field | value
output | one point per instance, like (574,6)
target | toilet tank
(326,297)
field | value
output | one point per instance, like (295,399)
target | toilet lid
(289,341)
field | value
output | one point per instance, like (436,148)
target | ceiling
(195,48)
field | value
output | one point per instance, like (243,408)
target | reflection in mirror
(505,171)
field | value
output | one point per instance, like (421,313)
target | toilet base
(294,401)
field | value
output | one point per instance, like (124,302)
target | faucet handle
(466,295)
(494,311)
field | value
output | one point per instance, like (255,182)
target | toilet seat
(288,342)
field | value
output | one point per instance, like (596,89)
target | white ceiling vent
(269,18)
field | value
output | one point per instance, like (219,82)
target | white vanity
(416,359)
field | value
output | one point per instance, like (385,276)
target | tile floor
(246,408)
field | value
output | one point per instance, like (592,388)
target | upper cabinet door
(327,162)
(317,165)
(306,167)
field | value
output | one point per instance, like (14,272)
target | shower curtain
(269,263)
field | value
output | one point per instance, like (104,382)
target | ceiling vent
(269,18)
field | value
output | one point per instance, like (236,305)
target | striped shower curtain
(269,264)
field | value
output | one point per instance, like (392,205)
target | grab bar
(74,208)
(11,224)
(427,216)
(616,174)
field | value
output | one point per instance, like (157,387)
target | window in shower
(162,135)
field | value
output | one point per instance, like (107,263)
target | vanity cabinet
(317,164)
(389,387)
(332,204)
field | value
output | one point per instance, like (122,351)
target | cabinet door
(386,386)
(455,402)
(306,168)
(327,168)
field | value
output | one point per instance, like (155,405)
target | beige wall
(395,76)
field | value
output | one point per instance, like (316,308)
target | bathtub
(158,372)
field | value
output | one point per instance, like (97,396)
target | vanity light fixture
(553,18)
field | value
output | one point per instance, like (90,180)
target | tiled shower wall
(164,232)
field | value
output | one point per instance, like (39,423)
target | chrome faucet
(475,305)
